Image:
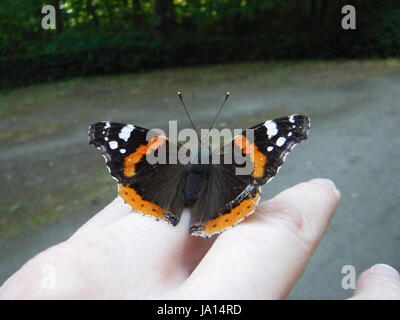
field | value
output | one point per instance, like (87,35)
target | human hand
(123,255)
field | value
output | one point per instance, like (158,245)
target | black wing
(153,189)
(230,196)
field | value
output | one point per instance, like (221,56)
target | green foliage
(114,36)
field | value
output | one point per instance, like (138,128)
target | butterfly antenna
(184,107)
(220,109)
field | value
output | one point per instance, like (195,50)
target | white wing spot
(106,138)
(270,149)
(281,141)
(113,144)
(290,134)
(291,118)
(108,125)
(122,150)
(272,130)
(125,133)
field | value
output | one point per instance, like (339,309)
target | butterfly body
(218,195)
(193,180)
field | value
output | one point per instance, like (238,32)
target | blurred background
(124,60)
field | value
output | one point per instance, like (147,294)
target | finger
(157,251)
(193,252)
(378,282)
(264,256)
(141,248)
(113,211)
(133,257)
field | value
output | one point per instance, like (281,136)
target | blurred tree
(91,13)
(161,22)
(322,12)
(171,13)
(137,13)
(57,4)
(165,17)
(313,9)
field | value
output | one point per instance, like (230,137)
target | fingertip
(379,270)
(381,281)
(326,183)
(309,206)
(385,269)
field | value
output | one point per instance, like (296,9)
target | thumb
(379,282)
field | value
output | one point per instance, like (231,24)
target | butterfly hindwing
(222,203)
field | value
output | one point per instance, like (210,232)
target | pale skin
(123,255)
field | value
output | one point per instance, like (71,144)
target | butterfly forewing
(153,189)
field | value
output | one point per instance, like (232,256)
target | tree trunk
(110,13)
(256,4)
(160,25)
(298,6)
(313,10)
(92,12)
(59,18)
(322,12)
(171,13)
(137,13)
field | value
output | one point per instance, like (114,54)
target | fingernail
(384,270)
(325,182)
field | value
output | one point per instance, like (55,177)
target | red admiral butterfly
(218,197)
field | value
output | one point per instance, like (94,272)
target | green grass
(24,216)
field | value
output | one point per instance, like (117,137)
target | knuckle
(289,213)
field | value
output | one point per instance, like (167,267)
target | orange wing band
(256,156)
(227,220)
(137,203)
(137,156)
